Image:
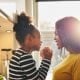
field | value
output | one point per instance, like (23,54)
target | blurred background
(45,14)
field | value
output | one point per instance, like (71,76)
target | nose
(54,37)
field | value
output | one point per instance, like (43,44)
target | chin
(37,49)
(59,48)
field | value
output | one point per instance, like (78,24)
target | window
(8,7)
(48,14)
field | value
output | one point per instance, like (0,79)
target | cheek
(56,38)
(37,41)
(59,41)
(27,42)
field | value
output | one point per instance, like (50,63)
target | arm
(29,66)
(76,70)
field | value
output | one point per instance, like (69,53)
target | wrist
(47,58)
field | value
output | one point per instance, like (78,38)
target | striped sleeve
(28,65)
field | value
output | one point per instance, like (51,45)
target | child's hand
(46,53)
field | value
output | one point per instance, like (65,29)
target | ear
(29,37)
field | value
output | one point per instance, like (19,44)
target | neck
(26,49)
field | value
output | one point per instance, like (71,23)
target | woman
(22,65)
(67,35)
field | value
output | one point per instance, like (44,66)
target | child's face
(33,42)
(36,41)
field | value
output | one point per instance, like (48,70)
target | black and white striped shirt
(23,67)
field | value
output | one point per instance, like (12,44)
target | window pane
(48,14)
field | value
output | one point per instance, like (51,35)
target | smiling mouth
(40,45)
(56,42)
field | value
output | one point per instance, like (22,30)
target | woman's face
(58,41)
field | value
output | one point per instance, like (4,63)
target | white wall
(6,41)
(20,4)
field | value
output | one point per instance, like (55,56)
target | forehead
(36,33)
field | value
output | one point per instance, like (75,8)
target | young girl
(22,65)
